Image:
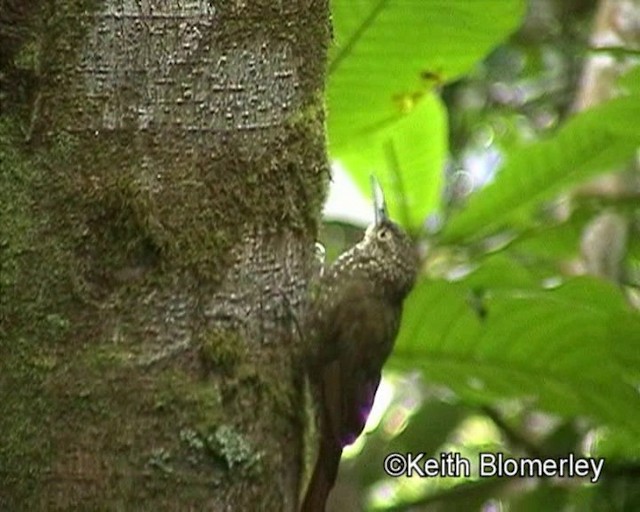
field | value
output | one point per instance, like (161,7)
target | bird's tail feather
(323,477)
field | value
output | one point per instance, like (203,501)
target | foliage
(388,59)
(504,327)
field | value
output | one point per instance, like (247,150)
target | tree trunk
(163,171)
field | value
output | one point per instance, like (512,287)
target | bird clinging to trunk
(352,323)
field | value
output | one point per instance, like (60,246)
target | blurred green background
(505,134)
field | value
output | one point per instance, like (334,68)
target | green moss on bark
(112,243)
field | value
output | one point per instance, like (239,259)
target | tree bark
(163,171)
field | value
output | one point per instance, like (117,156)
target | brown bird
(352,323)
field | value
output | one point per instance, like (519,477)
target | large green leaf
(601,139)
(383,117)
(387,50)
(630,81)
(559,348)
(408,157)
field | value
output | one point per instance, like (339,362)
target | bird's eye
(383,234)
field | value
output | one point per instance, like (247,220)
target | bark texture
(163,171)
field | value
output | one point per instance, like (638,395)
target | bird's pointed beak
(379,204)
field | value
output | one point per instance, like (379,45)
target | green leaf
(383,117)
(616,445)
(601,139)
(500,271)
(623,327)
(386,50)
(630,81)
(407,156)
(542,497)
(554,347)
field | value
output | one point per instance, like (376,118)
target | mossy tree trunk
(162,174)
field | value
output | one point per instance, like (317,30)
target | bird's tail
(323,477)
